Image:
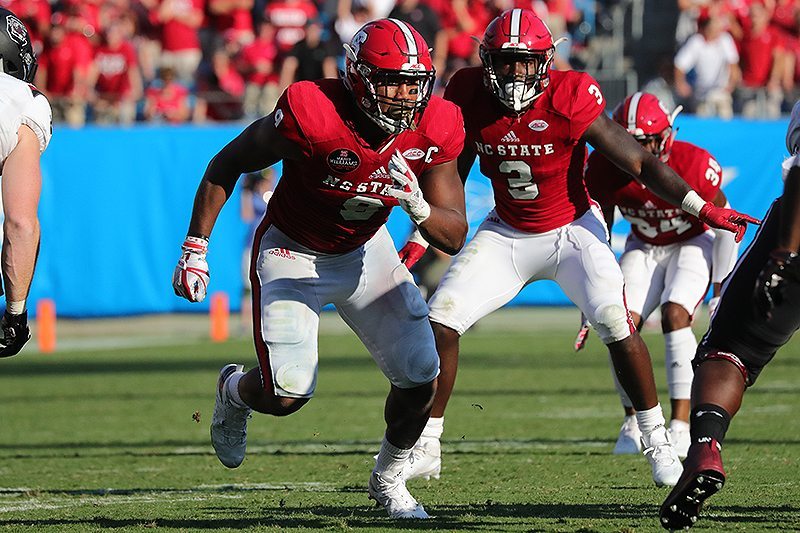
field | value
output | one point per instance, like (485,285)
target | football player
(352,149)
(669,256)
(758,312)
(529,127)
(25,130)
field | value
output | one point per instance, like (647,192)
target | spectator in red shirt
(233,19)
(64,71)
(258,64)
(221,92)
(762,59)
(290,18)
(167,100)
(180,21)
(118,83)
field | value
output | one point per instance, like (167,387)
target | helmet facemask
(379,97)
(517,76)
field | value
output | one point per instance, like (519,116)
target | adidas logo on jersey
(510,137)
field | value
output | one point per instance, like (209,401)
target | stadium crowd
(175,61)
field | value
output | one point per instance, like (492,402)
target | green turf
(106,439)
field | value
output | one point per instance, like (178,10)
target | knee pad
(290,328)
(612,322)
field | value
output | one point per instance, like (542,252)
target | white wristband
(692,203)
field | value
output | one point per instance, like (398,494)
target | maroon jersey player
(352,149)
(669,257)
(529,128)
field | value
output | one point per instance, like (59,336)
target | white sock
(680,347)
(232,390)
(391,459)
(433,429)
(15,307)
(650,418)
(678,425)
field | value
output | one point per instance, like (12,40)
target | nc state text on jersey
(515,150)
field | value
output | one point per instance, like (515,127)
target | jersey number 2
(520,184)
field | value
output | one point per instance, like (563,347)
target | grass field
(95,437)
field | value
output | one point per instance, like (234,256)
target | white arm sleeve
(723,254)
(39,117)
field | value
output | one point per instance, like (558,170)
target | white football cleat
(681,439)
(393,495)
(229,423)
(629,441)
(425,460)
(658,449)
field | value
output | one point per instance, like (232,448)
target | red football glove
(411,253)
(727,219)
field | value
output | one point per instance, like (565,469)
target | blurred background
(145,92)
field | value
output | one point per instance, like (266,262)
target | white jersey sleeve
(38,116)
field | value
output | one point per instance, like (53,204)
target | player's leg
(738,344)
(644,281)
(590,276)
(386,310)
(688,271)
(285,324)
(481,278)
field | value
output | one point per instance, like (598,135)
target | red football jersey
(652,219)
(535,160)
(335,198)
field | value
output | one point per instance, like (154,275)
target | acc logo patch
(413,154)
(343,160)
(16,29)
(538,125)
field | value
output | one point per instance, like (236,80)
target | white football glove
(406,189)
(190,279)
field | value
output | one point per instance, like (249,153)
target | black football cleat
(703,476)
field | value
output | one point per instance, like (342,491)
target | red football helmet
(646,118)
(516,52)
(384,54)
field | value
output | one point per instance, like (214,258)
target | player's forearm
(20,249)
(789,236)
(663,181)
(446,229)
(208,203)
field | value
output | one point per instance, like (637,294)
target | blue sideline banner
(116,204)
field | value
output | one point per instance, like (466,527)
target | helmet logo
(538,125)
(358,39)
(16,29)
(343,160)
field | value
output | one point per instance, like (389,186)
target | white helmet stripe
(411,43)
(633,110)
(516,16)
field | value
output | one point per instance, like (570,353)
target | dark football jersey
(652,219)
(535,160)
(335,197)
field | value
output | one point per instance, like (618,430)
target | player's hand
(713,303)
(190,279)
(411,253)
(781,267)
(406,189)
(583,334)
(727,219)
(15,333)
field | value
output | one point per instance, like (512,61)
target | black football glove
(781,267)
(15,333)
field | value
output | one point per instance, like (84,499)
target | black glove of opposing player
(781,267)
(15,333)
